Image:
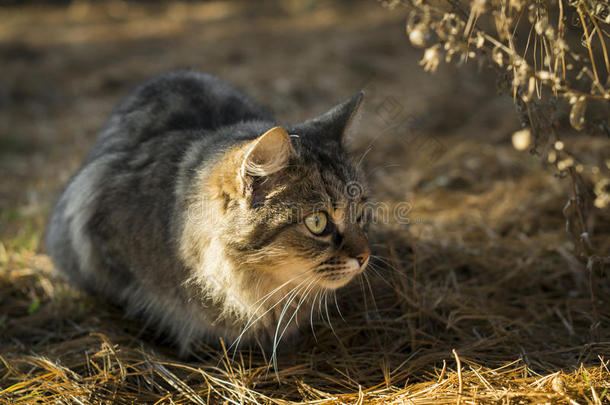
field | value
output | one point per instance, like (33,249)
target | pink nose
(363,257)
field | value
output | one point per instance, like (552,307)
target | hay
(479,300)
(436,339)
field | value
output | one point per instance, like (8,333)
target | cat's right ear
(266,155)
(334,125)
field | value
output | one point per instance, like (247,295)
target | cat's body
(190,210)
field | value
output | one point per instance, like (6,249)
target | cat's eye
(316,223)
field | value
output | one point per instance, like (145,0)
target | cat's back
(182,102)
(121,200)
(189,100)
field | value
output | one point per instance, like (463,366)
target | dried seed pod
(451,24)
(418,35)
(577,114)
(417,29)
(498,56)
(516,4)
(431,59)
(565,163)
(544,75)
(541,25)
(602,11)
(602,192)
(522,139)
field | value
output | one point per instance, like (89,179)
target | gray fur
(120,227)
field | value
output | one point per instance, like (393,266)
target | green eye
(316,223)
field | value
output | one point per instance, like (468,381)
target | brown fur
(190,210)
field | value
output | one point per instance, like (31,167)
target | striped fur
(188,211)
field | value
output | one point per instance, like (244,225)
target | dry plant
(62,347)
(549,54)
(480,302)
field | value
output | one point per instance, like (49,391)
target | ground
(475,294)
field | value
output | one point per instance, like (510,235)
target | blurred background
(66,64)
(483,265)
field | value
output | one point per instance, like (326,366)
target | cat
(198,212)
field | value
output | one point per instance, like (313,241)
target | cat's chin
(333,284)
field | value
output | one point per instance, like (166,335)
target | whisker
(320,304)
(366,307)
(366,152)
(388,264)
(294,314)
(337,305)
(369,148)
(377,270)
(366,278)
(328,315)
(279,322)
(311,315)
(264,299)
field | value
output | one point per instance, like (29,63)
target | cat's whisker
(366,278)
(366,152)
(375,169)
(313,303)
(266,297)
(286,307)
(337,305)
(276,340)
(380,276)
(377,270)
(290,298)
(385,261)
(300,295)
(384,265)
(301,301)
(320,304)
(330,323)
(251,322)
(366,307)
(369,148)
(288,294)
(305,297)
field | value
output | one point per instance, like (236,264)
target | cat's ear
(266,155)
(336,124)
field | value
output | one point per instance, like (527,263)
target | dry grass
(479,300)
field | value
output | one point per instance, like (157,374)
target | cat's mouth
(337,272)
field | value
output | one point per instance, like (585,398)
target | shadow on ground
(480,263)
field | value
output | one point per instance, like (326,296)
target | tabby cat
(198,212)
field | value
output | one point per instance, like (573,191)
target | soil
(477,258)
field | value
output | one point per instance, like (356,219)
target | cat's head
(295,200)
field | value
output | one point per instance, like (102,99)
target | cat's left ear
(336,124)
(265,156)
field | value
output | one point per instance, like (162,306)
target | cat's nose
(363,257)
